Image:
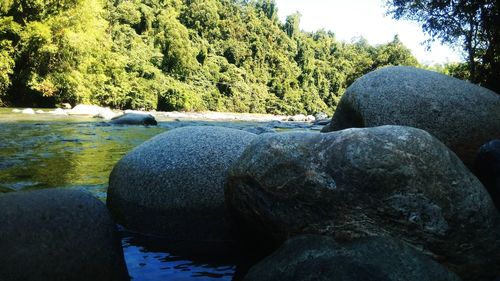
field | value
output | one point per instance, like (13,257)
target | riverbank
(107,114)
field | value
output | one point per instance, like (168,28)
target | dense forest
(220,55)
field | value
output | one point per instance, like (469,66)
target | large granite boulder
(321,258)
(389,180)
(172,184)
(57,234)
(487,168)
(460,114)
(134,119)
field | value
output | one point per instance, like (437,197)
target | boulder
(86,109)
(487,168)
(460,114)
(259,130)
(320,115)
(172,184)
(58,111)
(134,119)
(388,180)
(58,234)
(106,114)
(314,257)
(28,111)
(298,118)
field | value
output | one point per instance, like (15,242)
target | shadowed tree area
(221,55)
(474,26)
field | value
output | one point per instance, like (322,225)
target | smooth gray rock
(134,119)
(460,114)
(259,130)
(389,180)
(172,185)
(58,234)
(318,258)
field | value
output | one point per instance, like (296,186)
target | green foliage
(191,55)
(473,25)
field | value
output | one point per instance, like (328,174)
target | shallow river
(46,151)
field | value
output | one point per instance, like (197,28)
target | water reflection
(153,258)
(64,154)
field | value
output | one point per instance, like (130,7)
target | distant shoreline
(170,115)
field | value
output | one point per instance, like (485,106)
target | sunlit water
(44,151)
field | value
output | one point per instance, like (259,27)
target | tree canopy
(474,25)
(221,55)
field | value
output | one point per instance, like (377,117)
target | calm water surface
(45,151)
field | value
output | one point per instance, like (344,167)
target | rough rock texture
(462,115)
(57,234)
(134,119)
(318,258)
(487,169)
(389,180)
(172,185)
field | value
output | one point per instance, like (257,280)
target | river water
(47,151)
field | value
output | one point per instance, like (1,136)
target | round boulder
(134,119)
(172,184)
(460,114)
(388,180)
(487,169)
(320,258)
(58,234)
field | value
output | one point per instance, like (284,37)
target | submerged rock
(389,180)
(134,119)
(313,257)
(172,184)
(460,114)
(58,234)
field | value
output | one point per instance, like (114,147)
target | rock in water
(85,109)
(58,234)
(172,185)
(28,111)
(390,180)
(487,169)
(318,258)
(134,119)
(460,114)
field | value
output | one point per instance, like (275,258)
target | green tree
(292,23)
(472,25)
